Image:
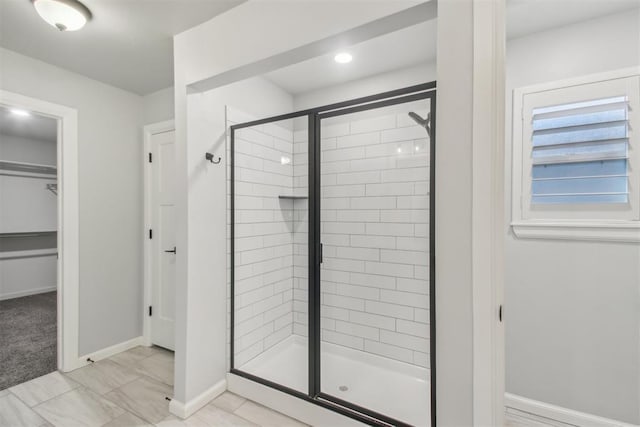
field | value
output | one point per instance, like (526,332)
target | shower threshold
(393,388)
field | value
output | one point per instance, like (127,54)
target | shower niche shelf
(292,197)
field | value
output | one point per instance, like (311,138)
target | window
(576,158)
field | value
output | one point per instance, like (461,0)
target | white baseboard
(28,292)
(558,413)
(185,410)
(106,352)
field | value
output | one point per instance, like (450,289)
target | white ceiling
(127,44)
(30,127)
(417,44)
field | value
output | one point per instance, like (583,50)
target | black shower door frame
(315,116)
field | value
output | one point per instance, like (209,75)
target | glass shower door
(375,275)
(268,251)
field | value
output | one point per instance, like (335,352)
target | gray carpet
(27,338)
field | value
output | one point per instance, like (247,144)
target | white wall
(201,53)
(158,106)
(110,185)
(207,196)
(572,308)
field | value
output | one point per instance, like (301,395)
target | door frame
(149,131)
(68,235)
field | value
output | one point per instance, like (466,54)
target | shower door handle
(172,251)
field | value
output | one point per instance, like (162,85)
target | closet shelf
(28,167)
(292,197)
(27,234)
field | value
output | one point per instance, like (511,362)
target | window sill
(621,231)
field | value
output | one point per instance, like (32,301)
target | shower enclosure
(331,255)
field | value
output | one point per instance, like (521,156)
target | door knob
(173,251)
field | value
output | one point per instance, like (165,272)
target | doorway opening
(39,255)
(28,245)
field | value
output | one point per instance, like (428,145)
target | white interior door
(163,239)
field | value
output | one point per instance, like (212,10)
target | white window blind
(580,152)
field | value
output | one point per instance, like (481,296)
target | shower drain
(343,388)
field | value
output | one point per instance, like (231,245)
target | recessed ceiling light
(343,58)
(65,15)
(21,113)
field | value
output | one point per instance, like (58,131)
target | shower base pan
(396,389)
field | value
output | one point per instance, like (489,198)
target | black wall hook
(209,157)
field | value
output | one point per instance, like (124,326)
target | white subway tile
(277,336)
(357,216)
(391,351)
(421,188)
(343,302)
(415,216)
(373,164)
(405,175)
(383,242)
(357,330)
(335,276)
(372,203)
(375,320)
(389,269)
(421,230)
(413,285)
(336,166)
(334,312)
(417,159)
(388,229)
(358,140)
(421,359)
(413,328)
(336,239)
(404,340)
(413,243)
(343,339)
(343,154)
(344,190)
(391,310)
(375,280)
(396,189)
(358,178)
(421,272)
(405,298)
(328,144)
(403,134)
(421,315)
(362,292)
(404,257)
(374,124)
(335,203)
(334,129)
(343,228)
(367,254)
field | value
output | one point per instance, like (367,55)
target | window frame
(601,222)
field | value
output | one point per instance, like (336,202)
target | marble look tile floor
(125,390)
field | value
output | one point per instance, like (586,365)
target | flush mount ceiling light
(343,58)
(65,15)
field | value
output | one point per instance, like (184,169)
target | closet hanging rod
(28,167)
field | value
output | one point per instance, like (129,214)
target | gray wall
(572,308)
(110,185)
